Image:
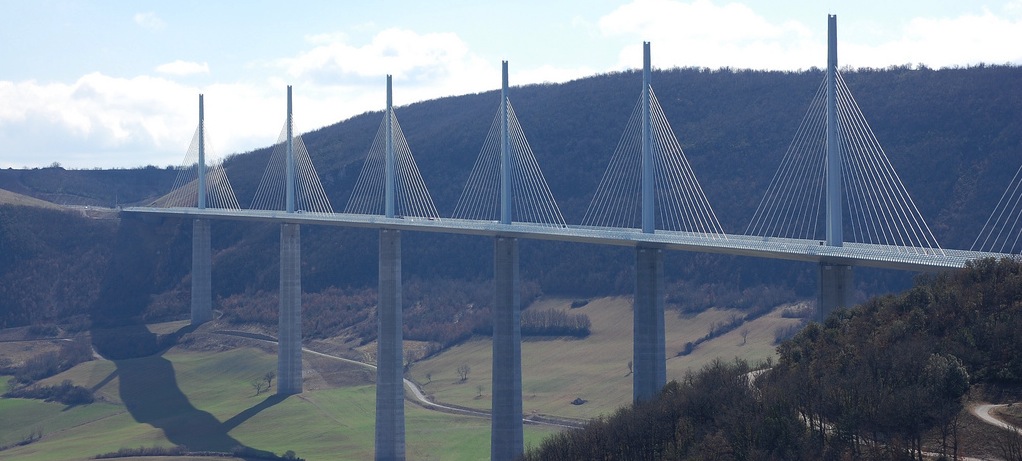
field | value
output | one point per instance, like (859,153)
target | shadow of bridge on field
(147,382)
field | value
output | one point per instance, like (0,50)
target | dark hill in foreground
(882,381)
(954,135)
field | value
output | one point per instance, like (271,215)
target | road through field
(414,388)
(983,413)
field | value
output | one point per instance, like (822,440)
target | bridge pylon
(507,439)
(200,185)
(650,186)
(648,336)
(202,260)
(289,325)
(390,396)
(836,281)
(837,189)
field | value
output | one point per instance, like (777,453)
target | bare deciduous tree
(257,385)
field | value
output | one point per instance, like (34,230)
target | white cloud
(99,120)
(427,59)
(149,20)
(704,34)
(944,42)
(335,78)
(1013,8)
(183,68)
(103,121)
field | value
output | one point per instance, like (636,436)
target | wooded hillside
(954,135)
(868,383)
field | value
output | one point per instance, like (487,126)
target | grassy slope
(203,400)
(17,352)
(11,198)
(556,371)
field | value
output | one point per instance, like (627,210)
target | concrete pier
(835,279)
(506,437)
(202,297)
(835,289)
(834,210)
(289,328)
(390,403)
(649,360)
(202,293)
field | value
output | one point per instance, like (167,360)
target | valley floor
(201,393)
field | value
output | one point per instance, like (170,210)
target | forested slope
(954,135)
(869,383)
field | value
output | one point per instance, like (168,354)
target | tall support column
(835,236)
(202,297)
(648,217)
(390,409)
(289,162)
(505,152)
(649,362)
(506,437)
(201,165)
(289,327)
(835,289)
(389,183)
(835,279)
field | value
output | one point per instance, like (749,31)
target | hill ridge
(954,136)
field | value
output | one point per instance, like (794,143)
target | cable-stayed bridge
(649,198)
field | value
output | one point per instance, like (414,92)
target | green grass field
(556,371)
(204,401)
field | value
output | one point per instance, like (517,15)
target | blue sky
(115,83)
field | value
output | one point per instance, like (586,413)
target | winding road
(419,397)
(983,413)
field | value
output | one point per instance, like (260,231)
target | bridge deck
(854,254)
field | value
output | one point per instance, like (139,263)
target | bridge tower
(648,347)
(506,434)
(835,279)
(289,326)
(390,404)
(202,297)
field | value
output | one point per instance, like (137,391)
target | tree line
(867,383)
(950,133)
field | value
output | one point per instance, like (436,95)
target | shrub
(799,311)
(555,323)
(39,330)
(65,392)
(783,333)
(71,353)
